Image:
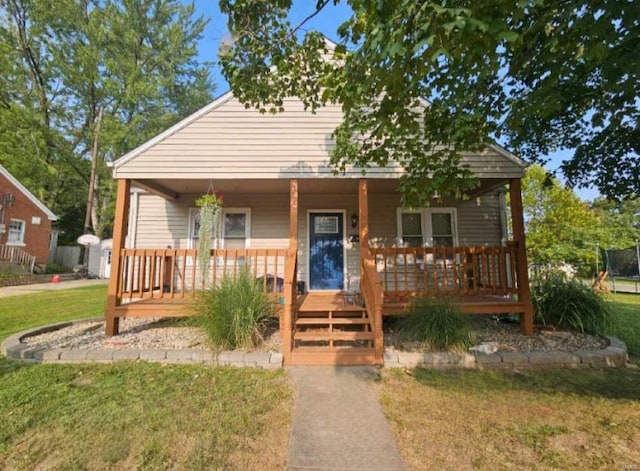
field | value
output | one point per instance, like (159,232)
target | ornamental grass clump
(569,304)
(436,322)
(234,313)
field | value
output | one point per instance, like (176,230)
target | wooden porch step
(332,356)
(331,321)
(332,308)
(336,335)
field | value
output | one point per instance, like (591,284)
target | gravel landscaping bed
(157,333)
(138,333)
(504,336)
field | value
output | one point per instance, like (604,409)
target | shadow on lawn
(10,366)
(613,383)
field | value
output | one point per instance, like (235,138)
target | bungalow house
(337,251)
(25,224)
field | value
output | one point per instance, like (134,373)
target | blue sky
(326,22)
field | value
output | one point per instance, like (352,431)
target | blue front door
(326,251)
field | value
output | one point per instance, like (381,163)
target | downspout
(503,215)
(133,220)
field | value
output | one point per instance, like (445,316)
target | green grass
(142,416)
(133,415)
(626,320)
(25,311)
(553,419)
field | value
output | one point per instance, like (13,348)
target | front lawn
(48,307)
(568,419)
(133,415)
(142,416)
(626,314)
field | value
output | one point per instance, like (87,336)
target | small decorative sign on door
(326,225)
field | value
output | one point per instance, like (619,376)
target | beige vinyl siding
(161,223)
(229,141)
(479,220)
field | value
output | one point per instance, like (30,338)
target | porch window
(442,228)
(411,229)
(235,229)
(15,235)
(427,227)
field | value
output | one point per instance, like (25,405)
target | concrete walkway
(7,291)
(338,423)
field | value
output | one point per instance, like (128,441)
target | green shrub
(53,268)
(437,322)
(234,313)
(569,304)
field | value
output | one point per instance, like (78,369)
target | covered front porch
(162,281)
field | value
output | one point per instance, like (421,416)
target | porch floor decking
(327,301)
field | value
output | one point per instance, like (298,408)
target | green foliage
(53,268)
(437,322)
(136,60)
(234,313)
(621,220)
(569,304)
(560,227)
(544,74)
(209,199)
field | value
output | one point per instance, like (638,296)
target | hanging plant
(210,205)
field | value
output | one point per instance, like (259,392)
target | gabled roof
(28,194)
(188,150)
(174,129)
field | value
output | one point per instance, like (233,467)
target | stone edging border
(13,348)
(615,355)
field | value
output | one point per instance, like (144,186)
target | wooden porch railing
(411,271)
(17,255)
(289,314)
(372,293)
(175,273)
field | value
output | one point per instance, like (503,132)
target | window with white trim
(235,229)
(411,232)
(427,227)
(15,235)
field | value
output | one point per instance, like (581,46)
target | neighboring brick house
(24,221)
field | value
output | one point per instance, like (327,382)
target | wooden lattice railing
(17,255)
(411,271)
(175,273)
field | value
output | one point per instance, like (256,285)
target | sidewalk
(7,291)
(338,422)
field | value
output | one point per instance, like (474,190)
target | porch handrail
(175,273)
(288,314)
(18,255)
(372,292)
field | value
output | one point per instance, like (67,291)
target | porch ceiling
(335,185)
